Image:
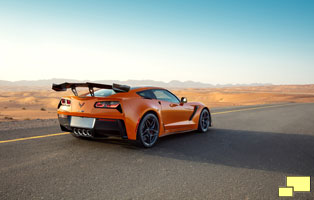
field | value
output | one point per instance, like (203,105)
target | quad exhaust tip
(82,132)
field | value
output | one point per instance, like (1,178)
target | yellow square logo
(285,191)
(295,184)
(299,184)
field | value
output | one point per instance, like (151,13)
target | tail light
(107,104)
(65,102)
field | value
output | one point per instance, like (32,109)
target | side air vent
(195,109)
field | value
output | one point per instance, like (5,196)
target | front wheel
(148,131)
(204,121)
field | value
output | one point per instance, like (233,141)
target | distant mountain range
(171,84)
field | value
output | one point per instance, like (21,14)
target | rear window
(103,93)
(147,94)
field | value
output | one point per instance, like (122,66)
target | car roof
(141,88)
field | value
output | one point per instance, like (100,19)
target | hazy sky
(208,41)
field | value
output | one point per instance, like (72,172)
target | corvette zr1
(142,114)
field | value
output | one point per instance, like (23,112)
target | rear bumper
(101,127)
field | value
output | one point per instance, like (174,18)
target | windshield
(103,93)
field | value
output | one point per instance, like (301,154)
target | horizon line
(166,82)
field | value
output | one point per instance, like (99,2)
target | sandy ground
(236,96)
(36,103)
(30,104)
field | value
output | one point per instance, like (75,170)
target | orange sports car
(142,114)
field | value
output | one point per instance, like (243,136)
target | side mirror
(184,100)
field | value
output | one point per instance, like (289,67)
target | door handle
(173,105)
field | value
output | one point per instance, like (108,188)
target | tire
(204,121)
(148,131)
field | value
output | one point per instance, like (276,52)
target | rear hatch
(103,103)
(98,107)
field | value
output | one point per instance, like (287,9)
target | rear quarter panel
(134,109)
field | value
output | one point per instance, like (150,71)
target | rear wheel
(148,131)
(204,121)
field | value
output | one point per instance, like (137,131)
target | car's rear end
(97,114)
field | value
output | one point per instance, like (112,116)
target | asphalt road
(246,155)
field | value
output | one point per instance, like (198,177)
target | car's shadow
(288,153)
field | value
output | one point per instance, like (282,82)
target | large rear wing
(90,86)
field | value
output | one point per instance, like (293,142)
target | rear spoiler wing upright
(91,86)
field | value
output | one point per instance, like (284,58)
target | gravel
(37,123)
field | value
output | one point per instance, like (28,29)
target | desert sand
(39,103)
(237,96)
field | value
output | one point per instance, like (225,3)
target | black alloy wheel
(204,121)
(148,131)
